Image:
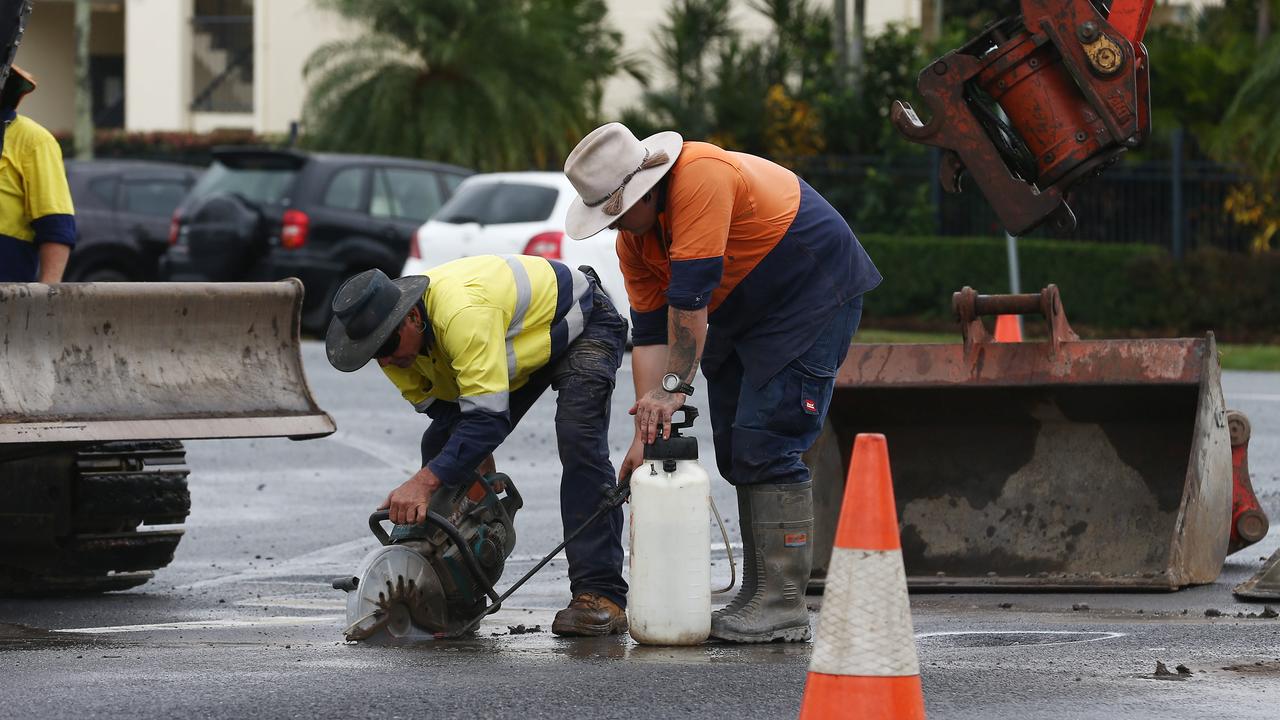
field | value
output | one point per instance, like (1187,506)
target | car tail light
(414,252)
(545,245)
(174,224)
(293,234)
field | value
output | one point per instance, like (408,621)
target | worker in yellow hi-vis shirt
(37,220)
(473,344)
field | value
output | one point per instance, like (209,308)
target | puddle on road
(1259,668)
(1011,638)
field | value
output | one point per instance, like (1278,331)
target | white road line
(295,603)
(334,554)
(206,625)
(388,455)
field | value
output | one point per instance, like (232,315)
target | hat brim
(584,221)
(349,355)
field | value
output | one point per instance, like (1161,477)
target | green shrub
(180,147)
(1116,289)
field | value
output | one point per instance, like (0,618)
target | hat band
(613,201)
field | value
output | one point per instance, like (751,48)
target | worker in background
(37,220)
(733,261)
(473,343)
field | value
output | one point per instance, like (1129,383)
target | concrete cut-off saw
(435,580)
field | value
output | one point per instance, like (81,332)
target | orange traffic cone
(1008,329)
(864,661)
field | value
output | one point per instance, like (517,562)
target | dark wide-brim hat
(366,310)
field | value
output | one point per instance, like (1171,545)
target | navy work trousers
(583,377)
(761,433)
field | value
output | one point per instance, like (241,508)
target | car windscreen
(265,185)
(498,204)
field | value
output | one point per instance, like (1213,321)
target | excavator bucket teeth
(1059,465)
(140,361)
(1265,584)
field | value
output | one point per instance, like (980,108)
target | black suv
(267,214)
(122,216)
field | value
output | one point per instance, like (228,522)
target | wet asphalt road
(244,624)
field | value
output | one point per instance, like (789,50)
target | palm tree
(693,34)
(1250,133)
(494,85)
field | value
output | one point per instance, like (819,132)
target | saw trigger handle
(375,524)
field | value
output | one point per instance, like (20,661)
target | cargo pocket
(816,385)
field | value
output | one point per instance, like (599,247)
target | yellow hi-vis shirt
(494,320)
(35,202)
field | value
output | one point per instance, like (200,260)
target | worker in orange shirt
(733,262)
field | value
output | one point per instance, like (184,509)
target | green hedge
(180,147)
(1114,289)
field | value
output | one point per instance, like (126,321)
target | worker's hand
(408,503)
(634,459)
(653,414)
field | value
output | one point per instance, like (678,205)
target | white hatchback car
(520,213)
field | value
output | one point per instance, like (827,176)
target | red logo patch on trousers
(810,406)
(795,539)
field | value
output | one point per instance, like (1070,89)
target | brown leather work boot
(590,615)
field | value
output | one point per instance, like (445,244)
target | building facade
(201,65)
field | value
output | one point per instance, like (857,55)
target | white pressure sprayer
(669,602)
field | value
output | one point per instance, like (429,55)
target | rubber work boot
(747,586)
(777,555)
(590,615)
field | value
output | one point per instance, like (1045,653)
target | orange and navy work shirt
(754,244)
(35,202)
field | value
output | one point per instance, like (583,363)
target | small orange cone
(1008,329)
(864,662)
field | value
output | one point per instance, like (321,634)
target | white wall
(157,65)
(48,52)
(639,20)
(286,32)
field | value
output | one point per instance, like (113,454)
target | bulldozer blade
(1056,465)
(1265,584)
(135,361)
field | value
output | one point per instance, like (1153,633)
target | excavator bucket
(1065,464)
(138,361)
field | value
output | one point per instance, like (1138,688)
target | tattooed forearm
(687,329)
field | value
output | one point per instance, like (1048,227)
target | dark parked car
(123,209)
(267,214)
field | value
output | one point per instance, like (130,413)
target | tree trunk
(1264,22)
(930,21)
(841,39)
(857,48)
(84,90)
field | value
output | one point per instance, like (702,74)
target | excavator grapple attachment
(1064,464)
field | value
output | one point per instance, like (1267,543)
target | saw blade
(398,597)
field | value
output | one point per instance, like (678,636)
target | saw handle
(375,524)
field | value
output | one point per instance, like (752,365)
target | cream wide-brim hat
(611,170)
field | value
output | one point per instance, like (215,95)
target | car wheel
(316,320)
(105,274)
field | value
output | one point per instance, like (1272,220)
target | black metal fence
(1178,204)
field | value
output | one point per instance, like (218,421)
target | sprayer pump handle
(690,414)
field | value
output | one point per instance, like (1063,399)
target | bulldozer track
(118,490)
